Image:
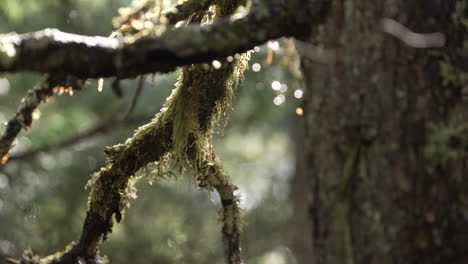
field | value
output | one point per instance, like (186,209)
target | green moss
(202,96)
(459,16)
(448,74)
(179,137)
(445,143)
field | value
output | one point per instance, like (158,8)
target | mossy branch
(231,212)
(53,51)
(24,115)
(182,131)
(184,124)
(105,127)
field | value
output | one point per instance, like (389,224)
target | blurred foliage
(43,201)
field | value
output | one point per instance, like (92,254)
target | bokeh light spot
(276,85)
(256,67)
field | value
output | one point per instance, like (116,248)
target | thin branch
(186,9)
(24,115)
(53,51)
(316,53)
(101,128)
(410,38)
(231,213)
(148,144)
(136,96)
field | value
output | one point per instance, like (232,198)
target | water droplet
(4,86)
(256,67)
(283,88)
(274,45)
(276,85)
(100,84)
(299,111)
(36,115)
(298,93)
(278,100)
(216,64)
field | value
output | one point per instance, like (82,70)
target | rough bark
(386,136)
(300,196)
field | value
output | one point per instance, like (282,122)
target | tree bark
(386,135)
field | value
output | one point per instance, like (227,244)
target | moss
(179,137)
(200,101)
(460,14)
(445,143)
(452,75)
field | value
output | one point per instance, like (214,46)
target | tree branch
(23,117)
(29,103)
(100,128)
(135,98)
(231,211)
(53,51)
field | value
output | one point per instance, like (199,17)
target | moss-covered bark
(53,51)
(205,96)
(385,136)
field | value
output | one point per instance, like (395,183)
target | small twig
(136,96)
(23,117)
(101,128)
(231,213)
(410,38)
(315,53)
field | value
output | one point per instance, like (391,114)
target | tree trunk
(301,243)
(386,134)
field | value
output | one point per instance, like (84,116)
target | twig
(23,117)
(410,38)
(231,212)
(136,96)
(102,127)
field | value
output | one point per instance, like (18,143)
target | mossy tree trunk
(386,135)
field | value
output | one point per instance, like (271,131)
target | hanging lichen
(202,96)
(179,137)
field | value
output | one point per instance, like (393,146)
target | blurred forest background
(42,196)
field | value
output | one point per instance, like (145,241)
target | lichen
(178,138)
